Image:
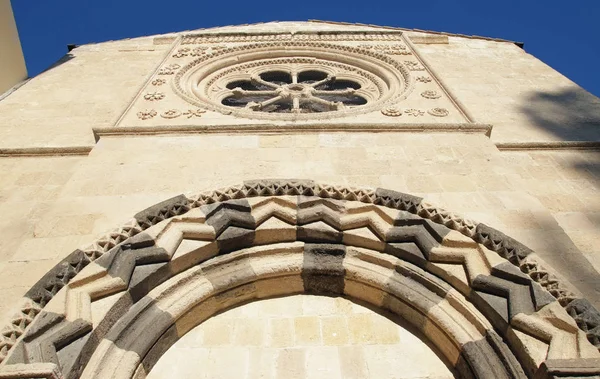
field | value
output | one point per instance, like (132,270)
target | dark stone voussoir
(488,358)
(397,200)
(234,238)
(275,187)
(569,368)
(231,213)
(323,270)
(518,295)
(587,318)
(57,277)
(152,215)
(507,247)
(138,241)
(509,272)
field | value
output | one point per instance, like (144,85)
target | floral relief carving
(184,52)
(158,82)
(194,113)
(392,112)
(154,96)
(245,75)
(171,113)
(423,79)
(203,50)
(430,94)
(192,39)
(438,112)
(146,114)
(414,66)
(395,49)
(198,51)
(169,70)
(414,112)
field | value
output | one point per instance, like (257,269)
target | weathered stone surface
(545,198)
(323,270)
(569,368)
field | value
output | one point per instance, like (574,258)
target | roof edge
(520,44)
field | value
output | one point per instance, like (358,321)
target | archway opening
(301,336)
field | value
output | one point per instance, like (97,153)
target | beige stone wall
(12,64)
(547,200)
(52,205)
(90,87)
(300,337)
(524,98)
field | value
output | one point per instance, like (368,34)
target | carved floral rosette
(211,79)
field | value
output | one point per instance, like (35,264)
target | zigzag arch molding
(485,301)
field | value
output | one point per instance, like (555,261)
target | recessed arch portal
(479,296)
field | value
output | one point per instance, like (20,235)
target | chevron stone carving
(500,280)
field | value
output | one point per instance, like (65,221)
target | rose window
(309,91)
(292,81)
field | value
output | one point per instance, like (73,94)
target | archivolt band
(486,302)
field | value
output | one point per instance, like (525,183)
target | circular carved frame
(202,82)
(483,300)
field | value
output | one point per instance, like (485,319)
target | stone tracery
(308,78)
(292,91)
(344,239)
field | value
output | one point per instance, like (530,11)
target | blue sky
(562,34)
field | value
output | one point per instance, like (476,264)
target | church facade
(300,200)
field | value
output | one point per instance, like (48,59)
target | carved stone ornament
(487,303)
(194,39)
(430,94)
(438,112)
(414,66)
(392,49)
(198,51)
(392,112)
(146,114)
(292,80)
(194,113)
(183,52)
(171,113)
(414,112)
(154,96)
(169,70)
(158,82)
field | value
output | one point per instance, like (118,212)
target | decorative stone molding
(183,52)
(438,112)
(414,66)
(210,80)
(193,39)
(423,79)
(430,94)
(169,70)
(392,112)
(174,113)
(146,114)
(480,293)
(414,112)
(154,96)
(394,49)
(158,82)
(194,113)
(171,113)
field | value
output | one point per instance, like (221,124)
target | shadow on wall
(571,114)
